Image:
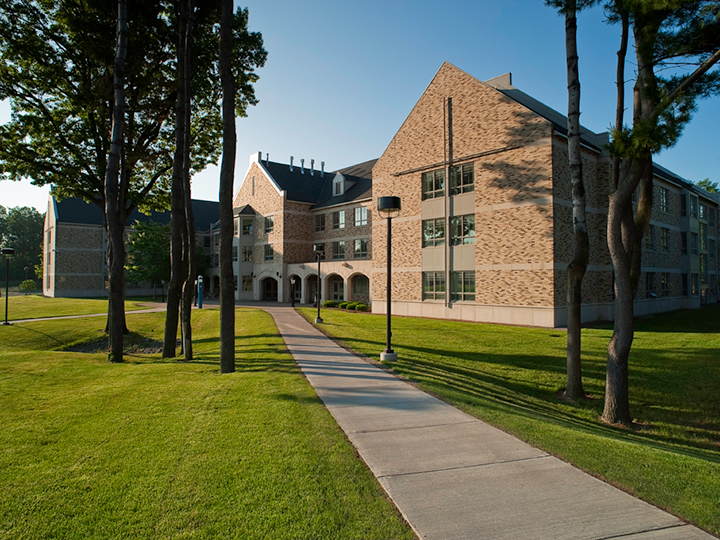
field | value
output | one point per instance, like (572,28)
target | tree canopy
(21,228)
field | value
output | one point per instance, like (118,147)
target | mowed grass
(152,448)
(511,378)
(35,306)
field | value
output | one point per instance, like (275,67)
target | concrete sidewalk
(451,475)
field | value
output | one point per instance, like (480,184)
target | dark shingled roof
(77,211)
(317,188)
(245,210)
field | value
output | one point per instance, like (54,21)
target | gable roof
(77,211)
(316,188)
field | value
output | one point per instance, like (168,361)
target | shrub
(329,303)
(361,307)
(352,305)
(343,305)
(28,286)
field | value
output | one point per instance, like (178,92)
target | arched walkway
(295,290)
(336,288)
(359,289)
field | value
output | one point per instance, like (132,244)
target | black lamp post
(293,281)
(8,252)
(319,249)
(389,207)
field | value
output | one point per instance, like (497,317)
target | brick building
(485,230)
(484,233)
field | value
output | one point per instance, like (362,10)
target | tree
(148,256)
(577,267)
(227,285)
(22,229)
(664,34)
(707,185)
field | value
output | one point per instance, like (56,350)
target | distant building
(75,246)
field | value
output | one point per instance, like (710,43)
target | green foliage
(361,307)
(37,306)
(342,305)
(329,303)
(157,450)
(511,377)
(707,185)
(352,305)
(28,286)
(148,250)
(21,228)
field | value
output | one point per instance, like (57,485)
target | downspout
(446,194)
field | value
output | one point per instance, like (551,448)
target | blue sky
(341,77)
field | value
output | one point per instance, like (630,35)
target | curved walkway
(451,475)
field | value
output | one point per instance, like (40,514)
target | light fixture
(389,207)
(8,252)
(319,249)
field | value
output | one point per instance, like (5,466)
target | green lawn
(163,449)
(510,377)
(35,306)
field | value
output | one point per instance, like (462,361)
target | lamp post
(319,249)
(8,252)
(200,291)
(293,281)
(389,207)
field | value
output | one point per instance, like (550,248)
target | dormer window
(338,185)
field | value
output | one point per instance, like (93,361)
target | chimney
(312,167)
(259,157)
(302,166)
(267,158)
(291,166)
(322,169)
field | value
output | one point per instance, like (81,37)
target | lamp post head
(8,251)
(389,206)
(319,248)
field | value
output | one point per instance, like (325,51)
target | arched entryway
(311,289)
(336,286)
(269,289)
(360,289)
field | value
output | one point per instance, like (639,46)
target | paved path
(453,476)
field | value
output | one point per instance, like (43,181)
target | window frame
(361,216)
(664,200)
(430,181)
(462,278)
(359,253)
(338,248)
(269,224)
(247,279)
(457,224)
(663,241)
(319,222)
(269,257)
(248,226)
(338,220)
(434,240)
(246,254)
(433,286)
(462,179)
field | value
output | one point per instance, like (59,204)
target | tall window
(269,253)
(339,250)
(247,283)
(236,226)
(247,227)
(664,199)
(319,222)
(650,237)
(693,207)
(247,252)
(433,285)
(433,184)
(711,217)
(703,269)
(683,205)
(664,284)
(695,281)
(462,229)
(462,286)
(433,232)
(664,239)
(361,248)
(339,219)
(462,179)
(361,216)
(712,249)
(683,241)
(269,224)
(684,284)
(703,212)
(235,253)
(693,243)
(703,236)
(650,284)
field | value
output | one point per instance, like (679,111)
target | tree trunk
(189,285)
(577,267)
(115,225)
(227,172)
(177,209)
